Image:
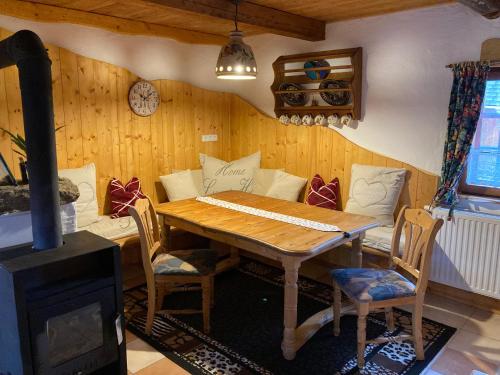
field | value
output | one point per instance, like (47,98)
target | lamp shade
(236,59)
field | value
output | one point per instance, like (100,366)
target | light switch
(209,138)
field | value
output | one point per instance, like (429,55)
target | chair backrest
(420,231)
(144,215)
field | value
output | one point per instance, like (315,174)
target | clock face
(143,98)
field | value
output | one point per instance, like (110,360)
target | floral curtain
(467,92)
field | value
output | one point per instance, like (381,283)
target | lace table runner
(271,215)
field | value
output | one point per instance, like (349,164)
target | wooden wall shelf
(287,69)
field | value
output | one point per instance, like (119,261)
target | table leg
(235,255)
(357,251)
(288,347)
(165,235)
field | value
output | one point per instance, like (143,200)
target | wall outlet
(209,138)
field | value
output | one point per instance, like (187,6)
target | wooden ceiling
(339,10)
(295,18)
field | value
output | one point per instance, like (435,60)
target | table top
(193,215)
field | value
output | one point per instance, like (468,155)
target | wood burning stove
(61,308)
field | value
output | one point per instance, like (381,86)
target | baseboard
(465,297)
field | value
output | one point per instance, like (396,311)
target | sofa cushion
(375,191)
(123,197)
(113,229)
(219,175)
(182,185)
(380,238)
(324,195)
(86,205)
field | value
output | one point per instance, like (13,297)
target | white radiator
(467,255)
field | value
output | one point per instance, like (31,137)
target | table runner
(311,224)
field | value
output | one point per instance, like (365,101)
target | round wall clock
(143,98)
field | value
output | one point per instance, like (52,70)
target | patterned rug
(246,330)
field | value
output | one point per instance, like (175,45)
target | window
(482,175)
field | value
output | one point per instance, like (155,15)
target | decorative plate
(294,99)
(335,97)
(317,74)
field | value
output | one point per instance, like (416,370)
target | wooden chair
(373,289)
(164,270)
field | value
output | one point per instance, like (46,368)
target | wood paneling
(90,100)
(149,18)
(305,151)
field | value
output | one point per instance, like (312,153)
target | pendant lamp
(236,59)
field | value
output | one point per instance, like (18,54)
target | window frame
(485,191)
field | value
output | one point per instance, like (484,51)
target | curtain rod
(493,63)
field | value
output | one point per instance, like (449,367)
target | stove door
(77,336)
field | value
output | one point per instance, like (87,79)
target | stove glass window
(75,333)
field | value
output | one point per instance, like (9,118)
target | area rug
(246,330)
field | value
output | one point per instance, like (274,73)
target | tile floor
(473,350)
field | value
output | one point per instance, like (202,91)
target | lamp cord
(236,2)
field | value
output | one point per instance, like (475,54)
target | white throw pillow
(263,179)
(197,178)
(86,205)
(286,186)
(375,191)
(181,185)
(219,175)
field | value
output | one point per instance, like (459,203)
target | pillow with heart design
(375,191)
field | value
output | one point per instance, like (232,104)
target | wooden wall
(305,151)
(91,101)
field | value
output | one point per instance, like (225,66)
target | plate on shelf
(317,74)
(296,99)
(335,97)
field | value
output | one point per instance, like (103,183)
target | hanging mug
(333,121)
(307,120)
(346,120)
(320,120)
(284,119)
(295,119)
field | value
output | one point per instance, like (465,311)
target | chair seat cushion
(186,262)
(369,285)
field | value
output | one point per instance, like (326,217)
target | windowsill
(479,204)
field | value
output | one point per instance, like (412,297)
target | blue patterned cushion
(368,284)
(186,262)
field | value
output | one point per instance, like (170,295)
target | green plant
(20,142)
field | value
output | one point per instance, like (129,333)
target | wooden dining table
(287,243)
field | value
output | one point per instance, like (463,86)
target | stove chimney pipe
(26,50)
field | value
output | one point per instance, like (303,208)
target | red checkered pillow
(324,195)
(123,197)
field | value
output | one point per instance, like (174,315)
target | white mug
(346,120)
(320,120)
(307,120)
(333,120)
(295,119)
(284,119)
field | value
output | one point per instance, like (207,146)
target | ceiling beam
(49,13)
(273,20)
(487,8)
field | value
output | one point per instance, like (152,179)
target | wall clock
(143,98)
